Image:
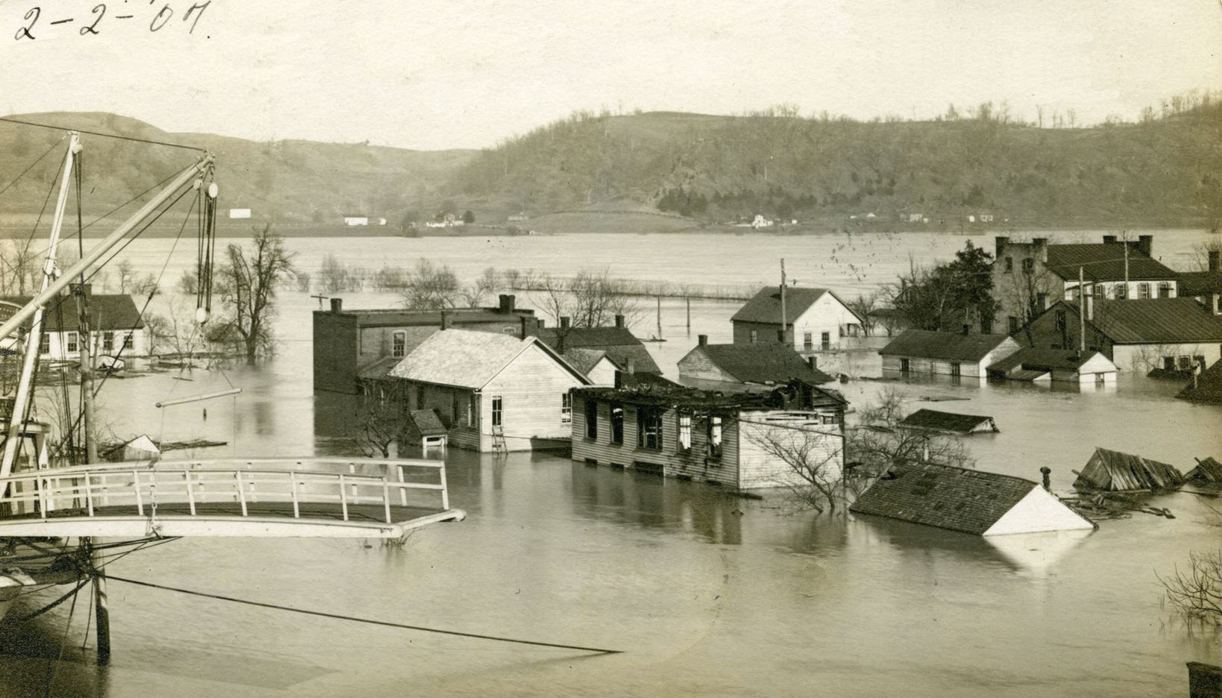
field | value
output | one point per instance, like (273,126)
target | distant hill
(717,168)
(287,181)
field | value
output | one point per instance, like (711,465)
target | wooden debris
(1112,471)
(1208,471)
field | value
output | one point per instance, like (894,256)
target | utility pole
(1081,310)
(659,317)
(784,318)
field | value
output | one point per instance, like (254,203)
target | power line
(370,621)
(104,135)
(32,166)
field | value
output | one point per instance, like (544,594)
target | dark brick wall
(334,352)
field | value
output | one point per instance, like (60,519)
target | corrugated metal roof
(107,312)
(947,346)
(1154,320)
(1116,471)
(1199,283)
(957,499)
(945,421)
(765,305)
(761,363)
(1105,262)
(467,358)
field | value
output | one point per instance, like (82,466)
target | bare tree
(1200,251)
(590,299)
(430,287)
(864,304)
(877,441)
(18,267)
(1196,593)
(381,417)
(248,282)
(813,454)
(473,295)
(126,274)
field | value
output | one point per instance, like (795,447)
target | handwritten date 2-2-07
(35,25)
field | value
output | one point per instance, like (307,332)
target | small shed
(426,429)
(950,422)
(1114,471)
(1208,471)
(1059,365)
(969,501)
(140,448)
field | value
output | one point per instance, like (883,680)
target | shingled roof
(468,358)
(765,305)
(762,363)
(944,496)
(1208,386)
(1152,321)
(947,346)
(1032,358)
(1105,262)
(1199,283)
(619,344)
(107,312)
(955,422)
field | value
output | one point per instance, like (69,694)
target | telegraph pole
(784,318)
(1081,310)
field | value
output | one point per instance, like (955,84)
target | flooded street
(702,592)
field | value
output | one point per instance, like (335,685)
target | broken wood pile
(1207,472)
(1102,506)
(1112,471)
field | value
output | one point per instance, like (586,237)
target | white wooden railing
(84,490)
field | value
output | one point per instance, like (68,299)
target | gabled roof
(761,363)
(1116,471)
(1031,358)
(1199,283)
(619,344)
(936,420)
(107,312)
(428,422)
(958,499)
(765,305)
(947,346)
(469,358)
(1208,387)
(1105,262)
(1152,320)
(583,359)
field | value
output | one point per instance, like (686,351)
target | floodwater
(703,593)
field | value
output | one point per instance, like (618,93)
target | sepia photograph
(620,348)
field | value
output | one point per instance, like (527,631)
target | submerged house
(946,353)
(1057,366)
(115,325)
(351,344)
(1113,471)
(730,366)
(727,439)
(1206,386)
(623,351)
(969,501)
(491,391)
(1167,333)
(949,422)
(815,319)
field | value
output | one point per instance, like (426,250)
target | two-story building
(1029,277)
(723,438)
(351,343)
(491,391)
(115,326)
(815,319)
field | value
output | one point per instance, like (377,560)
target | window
(566,408)
(714,437)
(808,341)
(1143,290)
(497,410)
(826,340)
(1120,291)
(1013,324)
(755,336)
(649,428)
(127,341)
(45,347)
(956,369)
(73,342)
(685,433)
(398,344)
(1164,289)
(591,419)
(108,341)
(1185,363)
(1028,265)
(1009,265)
(617,424)
(1168,363)
(1098,291)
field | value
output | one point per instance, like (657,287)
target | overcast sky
(439,74)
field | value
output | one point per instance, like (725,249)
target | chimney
(337,305)
(1213,260)
(1041,301)
(1090,307)
(1145,245)
(814,363)
(445,320)
(630,365)
(702,340)
(619,322)
(1040,246)
(564,323)
(999,245)
(562,334)
(1109,239)
(523,323)
(506,303)
(1045,476)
